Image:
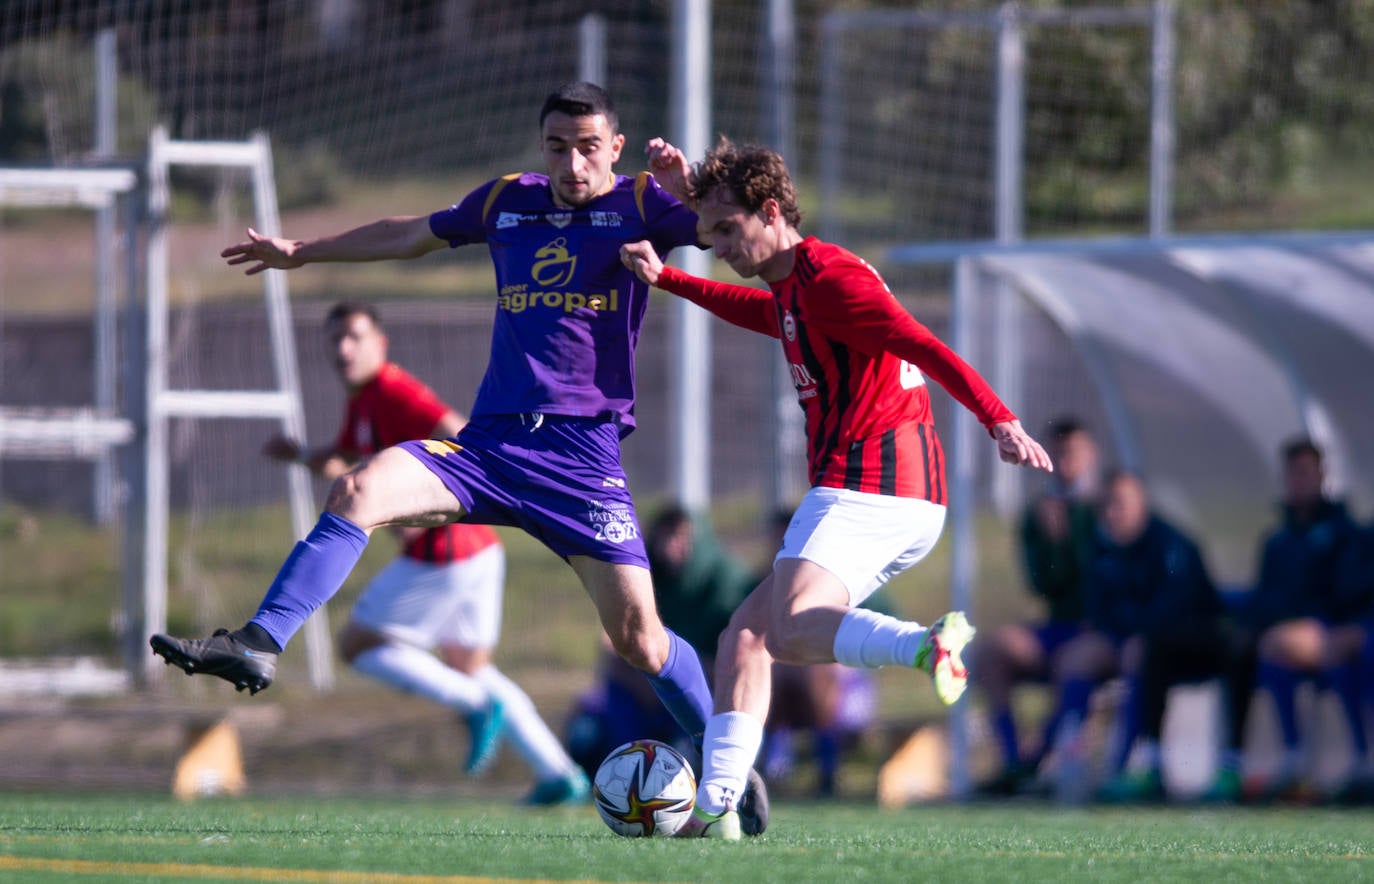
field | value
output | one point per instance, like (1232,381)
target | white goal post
(98,431)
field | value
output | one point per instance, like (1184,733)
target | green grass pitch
(50,838)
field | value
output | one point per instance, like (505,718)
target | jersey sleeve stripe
(496,188)
(641,184)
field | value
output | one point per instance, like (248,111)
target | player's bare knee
(468,660)
(344,496)
(637,649)
(786,645)
(755,642)
(736,645)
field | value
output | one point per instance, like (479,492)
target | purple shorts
(557,478)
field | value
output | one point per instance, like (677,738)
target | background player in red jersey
(444,591)
(877,501)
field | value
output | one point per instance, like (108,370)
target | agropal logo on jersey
(553,265)
(553,271)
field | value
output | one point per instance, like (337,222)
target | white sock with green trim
(869,640)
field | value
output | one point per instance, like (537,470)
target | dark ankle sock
(257,638)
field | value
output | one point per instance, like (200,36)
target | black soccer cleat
(753,805)
(222,654)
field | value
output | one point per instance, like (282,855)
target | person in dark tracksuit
(1309,601)
(1155,617)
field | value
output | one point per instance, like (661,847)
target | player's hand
(269,253)
(282,448)
(1015,446)
(670,168)
(642,259)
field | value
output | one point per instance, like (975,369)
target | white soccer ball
(644,788)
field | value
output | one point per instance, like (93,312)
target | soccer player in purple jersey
(542,448)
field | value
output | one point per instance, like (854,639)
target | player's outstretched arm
(400,237)
(1015,446)
(670,168)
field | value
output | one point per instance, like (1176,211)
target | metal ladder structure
(162,403)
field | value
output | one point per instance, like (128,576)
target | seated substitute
(1309,614)
(1153,616)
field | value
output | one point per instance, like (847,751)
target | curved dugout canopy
(1204,359)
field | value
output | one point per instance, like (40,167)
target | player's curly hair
(752,175)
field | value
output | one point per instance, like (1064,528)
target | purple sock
(681,686)
(310,576)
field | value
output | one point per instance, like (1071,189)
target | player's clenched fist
(670,167)
(642,259)
(268,252)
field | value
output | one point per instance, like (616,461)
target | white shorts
(425,604)
(863,539)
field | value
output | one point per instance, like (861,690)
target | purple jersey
(568,312)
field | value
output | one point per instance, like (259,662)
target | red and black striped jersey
(858,360)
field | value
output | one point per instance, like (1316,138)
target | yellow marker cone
(211,765)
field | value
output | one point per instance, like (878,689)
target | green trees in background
(1270,98)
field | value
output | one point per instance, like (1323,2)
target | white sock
(869,640)
(410,669)
(731,744)
(525,728)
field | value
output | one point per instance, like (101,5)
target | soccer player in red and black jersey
(877,502)
(443,593)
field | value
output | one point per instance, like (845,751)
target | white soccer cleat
(941,655)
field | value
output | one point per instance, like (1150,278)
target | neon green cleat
(941,655)
(724,826)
